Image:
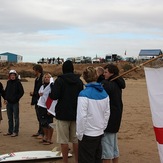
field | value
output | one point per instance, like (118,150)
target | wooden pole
(134,68)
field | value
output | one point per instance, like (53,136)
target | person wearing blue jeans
(113,85)
(13,117)
(13,92)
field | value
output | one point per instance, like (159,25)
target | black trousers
(90,150)
(40,130)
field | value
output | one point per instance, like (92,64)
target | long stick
(134,68)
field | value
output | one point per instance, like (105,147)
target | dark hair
(38,68)
(67,67)
(112,68)
(90,74)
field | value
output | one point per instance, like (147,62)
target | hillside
(25,69)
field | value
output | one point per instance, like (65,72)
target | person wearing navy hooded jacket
(66,89)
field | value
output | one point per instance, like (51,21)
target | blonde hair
(90,74)
(46,74)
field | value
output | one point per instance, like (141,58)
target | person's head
(100,70)
(67,67)
(12,74)
(109,70)
(46,78)
(90,74)
(37,69)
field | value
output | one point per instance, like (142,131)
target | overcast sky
(70,28)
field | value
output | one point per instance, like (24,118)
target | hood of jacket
(70,78)
(95,85)
(120,81)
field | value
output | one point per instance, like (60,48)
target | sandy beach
(136,137)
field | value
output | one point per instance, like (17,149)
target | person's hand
(5,102)
(48,113)
(32,106)
(40,94)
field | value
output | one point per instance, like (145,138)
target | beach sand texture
(136,137)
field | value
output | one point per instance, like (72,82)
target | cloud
(72,28)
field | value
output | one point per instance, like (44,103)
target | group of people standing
(99,113)
(42,88)
(87,115)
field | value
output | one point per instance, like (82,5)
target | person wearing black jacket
(38,72)
(13,92)
(2,94)
(66,89)
(110,151)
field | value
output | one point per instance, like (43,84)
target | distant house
(10,57)
(150,52)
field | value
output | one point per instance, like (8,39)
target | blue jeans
(13,117)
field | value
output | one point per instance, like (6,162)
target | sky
(72,28)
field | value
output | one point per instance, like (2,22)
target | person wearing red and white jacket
(45,117)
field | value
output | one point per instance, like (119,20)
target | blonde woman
(45,117)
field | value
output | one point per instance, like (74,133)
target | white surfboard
(31,155)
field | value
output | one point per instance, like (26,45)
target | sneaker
(14,135)
(7,134)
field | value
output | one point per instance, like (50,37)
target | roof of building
(8,53)
(150,52)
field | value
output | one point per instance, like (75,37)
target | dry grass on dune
(25,69)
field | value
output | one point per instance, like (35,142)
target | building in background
(10,57)
(146,54)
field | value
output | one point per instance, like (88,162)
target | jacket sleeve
(21,90)
(35,96)
(56,89)
(41,89)
(2,91)
(81,116)
(107,113)
(121,82)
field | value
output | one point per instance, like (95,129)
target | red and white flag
(50,104)
(154,79)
